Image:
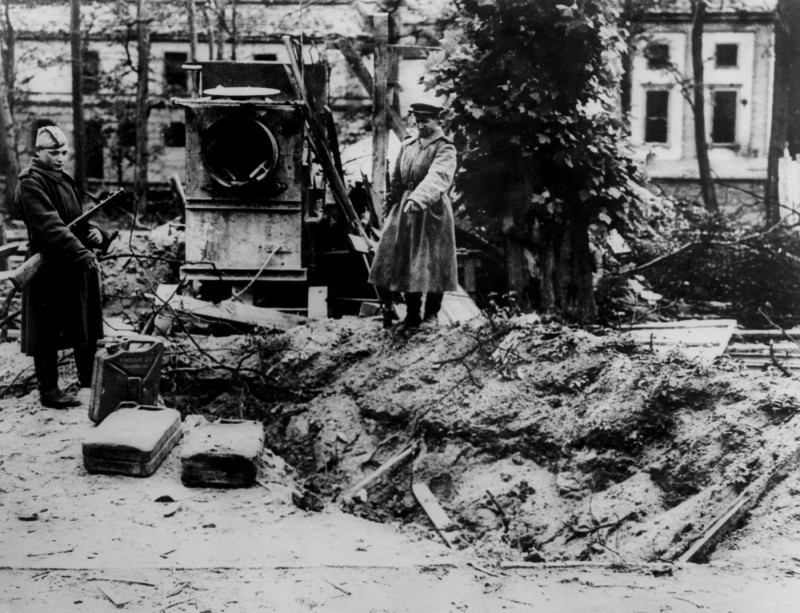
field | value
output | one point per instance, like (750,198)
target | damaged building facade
(738,54)
(42,69)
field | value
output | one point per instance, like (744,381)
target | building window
(126,133)
(175,134)
(727,56)
(723,123)
(91,72)
(657,55)
(95,147)
(265,57)
(656,120)
(175,77)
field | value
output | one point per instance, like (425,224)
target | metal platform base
(199,272)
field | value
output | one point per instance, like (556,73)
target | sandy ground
(72,541)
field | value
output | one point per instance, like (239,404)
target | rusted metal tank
(248,186)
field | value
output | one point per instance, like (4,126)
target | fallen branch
(341,589)
(784,333)
(501,511)
(786,372)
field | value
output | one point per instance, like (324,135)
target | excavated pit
(553,444)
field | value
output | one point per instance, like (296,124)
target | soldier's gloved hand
(95,237)
(90,263)
(413,207)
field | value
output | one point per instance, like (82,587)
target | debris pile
(539,442)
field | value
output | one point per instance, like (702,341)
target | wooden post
(380,133)
(191,10)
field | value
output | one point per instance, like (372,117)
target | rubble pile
(540,442)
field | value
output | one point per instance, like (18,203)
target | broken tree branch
(786,372)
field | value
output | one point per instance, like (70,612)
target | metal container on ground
(133,440)
(125,372)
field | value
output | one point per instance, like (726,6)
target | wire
(237,295)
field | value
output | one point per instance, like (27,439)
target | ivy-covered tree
(543,157)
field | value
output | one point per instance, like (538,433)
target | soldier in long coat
(416,254)
(61,305)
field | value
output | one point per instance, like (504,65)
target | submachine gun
(22,275)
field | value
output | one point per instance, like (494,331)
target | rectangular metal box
(222,454)
(133,441)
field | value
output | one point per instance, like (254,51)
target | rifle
(22,275)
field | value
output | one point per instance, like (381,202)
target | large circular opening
(239,151)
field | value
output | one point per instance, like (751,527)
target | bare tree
(8,135)
(142,109)
(700,138)
(78,126)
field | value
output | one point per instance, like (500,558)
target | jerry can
(134,440)
(222,454)
(127,371)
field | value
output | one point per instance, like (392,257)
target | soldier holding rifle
(61,305)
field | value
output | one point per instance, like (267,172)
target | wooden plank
(317,142)
(688,323)
(227,310)
(413,52)
(384,468)
(734,514)
(380,134)
(697,339)
(765,335)
(438,516)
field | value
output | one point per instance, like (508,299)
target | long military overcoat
(417,251)
(61,305)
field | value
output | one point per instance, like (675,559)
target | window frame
(176,79)
(717,63)
(90,73)
(718,91)
(95,149)
(648,118)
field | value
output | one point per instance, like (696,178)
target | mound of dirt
(541,442)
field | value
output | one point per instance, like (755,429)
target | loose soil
(544,444)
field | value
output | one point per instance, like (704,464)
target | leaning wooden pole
(142,111)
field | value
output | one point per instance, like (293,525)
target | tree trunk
(234,33)
(220,19)
(9,144)
(517,235)
(579,304)
(551,236)
(192,17)
(701,142)
(209,30)
(78,126)
(784,130)
(10,38)
(8,134)
(142,111)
